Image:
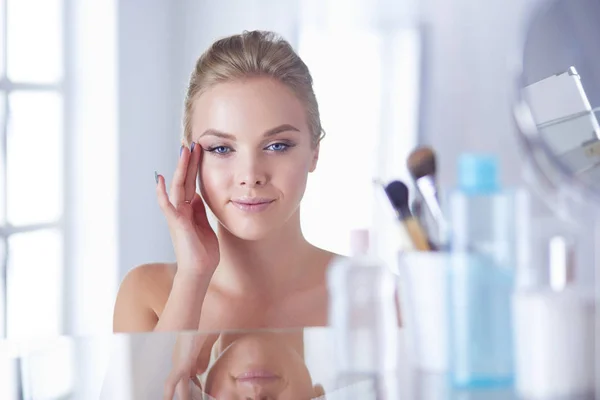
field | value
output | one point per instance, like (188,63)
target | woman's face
(260,366)
(257,153)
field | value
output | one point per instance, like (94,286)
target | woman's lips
(252,205)
(257,376)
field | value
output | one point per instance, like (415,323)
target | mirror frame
(551,176)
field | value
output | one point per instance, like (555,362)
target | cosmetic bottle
(480,277)
(364,320)
(554,330)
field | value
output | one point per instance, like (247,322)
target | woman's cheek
(293,178)
(213,182)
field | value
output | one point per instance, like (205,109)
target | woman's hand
(190,358)
(194,241)
(197,253)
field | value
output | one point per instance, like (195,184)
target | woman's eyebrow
(268,133)
(280,129)
(214,132)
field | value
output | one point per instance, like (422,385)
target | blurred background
(91,96)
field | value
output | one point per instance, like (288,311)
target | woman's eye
(278,147)
(219,149)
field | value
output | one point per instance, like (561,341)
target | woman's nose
(252,181)
(251,173)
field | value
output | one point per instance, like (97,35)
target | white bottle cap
(359,242)
(561,262)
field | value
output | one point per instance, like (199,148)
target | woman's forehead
(241,106)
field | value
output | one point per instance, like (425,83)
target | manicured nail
(180,150)
(192,147)
(156,176)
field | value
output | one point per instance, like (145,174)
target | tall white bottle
(364,319)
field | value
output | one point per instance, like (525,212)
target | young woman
(251,137)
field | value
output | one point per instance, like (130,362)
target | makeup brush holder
(422,294)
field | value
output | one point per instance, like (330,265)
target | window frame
(7,230)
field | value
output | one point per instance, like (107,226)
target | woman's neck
(267,266)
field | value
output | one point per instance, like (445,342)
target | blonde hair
(253,54)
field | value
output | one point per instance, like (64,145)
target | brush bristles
(421,162)
(397,192)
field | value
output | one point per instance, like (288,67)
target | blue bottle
(480,276)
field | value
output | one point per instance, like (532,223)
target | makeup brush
(422,167)
(397,192)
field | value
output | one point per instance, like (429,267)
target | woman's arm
(194,241)
(133,310)
(196,250)
(184,305)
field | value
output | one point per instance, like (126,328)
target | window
(341,184)
(366,81)
(31,167)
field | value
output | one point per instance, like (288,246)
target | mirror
(559,106)
(283,364)
(138,366)
(79,211)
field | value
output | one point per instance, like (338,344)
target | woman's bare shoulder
(142,296)
(152,281)
(151,273)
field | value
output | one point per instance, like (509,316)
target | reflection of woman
(251,136)
(260,365)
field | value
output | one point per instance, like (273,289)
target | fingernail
(156,176)
(180,150)
(192,146)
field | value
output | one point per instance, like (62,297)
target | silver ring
(187,201)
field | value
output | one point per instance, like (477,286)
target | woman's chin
(250,232)
(251,236)
(253,227)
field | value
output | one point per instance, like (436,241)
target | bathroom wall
(157,43)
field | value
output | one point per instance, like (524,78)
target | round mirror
(558,111)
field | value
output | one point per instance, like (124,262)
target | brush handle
(426,186)
(416,234)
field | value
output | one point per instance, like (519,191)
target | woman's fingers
(180,384)
(192,171)
(184,389)
(177,190)
(163,198)
(171,384)
(200,216)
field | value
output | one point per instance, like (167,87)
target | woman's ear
(315,159)
(319,392)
